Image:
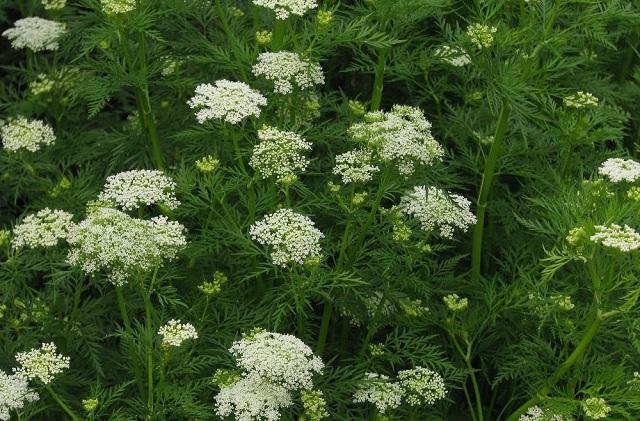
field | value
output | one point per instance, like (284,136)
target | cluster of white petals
(624,239)
(455,56)
(402,135)
(580,99)
(439,210)
(279,154)
(35,33)
(113,7)
(41,363)
(278,358)
(252,398)
(379,390)
(133,189)
(355,166)
(292,237)
(618,169)
(42,229)
(535,413)
(14,392)
(421,386)
(596,408)
(111,240)
(226,100)
(53,4)
(481,35)
(174,333)
(284,8)
(288,70)
(21,133)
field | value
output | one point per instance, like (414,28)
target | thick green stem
(148,322)
(575,356)
(278,34)
(63,405)
(378,83)
(123,311)
(149,122)
(485,188)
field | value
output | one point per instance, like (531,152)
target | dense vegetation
(301,209)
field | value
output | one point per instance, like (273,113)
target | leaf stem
(60,402)
(378,83)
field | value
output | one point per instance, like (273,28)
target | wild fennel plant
(305,209)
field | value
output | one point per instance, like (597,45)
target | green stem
(485,188)
(378,83)
(575,356)
(148,322)
(123,311)
(466,356)
(149,122)
(278,34)
(63,405)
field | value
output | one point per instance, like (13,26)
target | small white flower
(21,133)
(226,100)
(42,229)
(439,210)
(53,4)
(175,333)
(455,56)
(288,70)
(379,390)
(41,363)
(284,8)
(580,100)
(252,399)
(535,413)
(14,392)
(133,189)
(421,386)
(618,169)
(112,7)
(35,33)
(355,166)
(278,358)
(481,35)
(280,153)
(625,238)
(292,237)
(596,408)
(41,85)
(455,303)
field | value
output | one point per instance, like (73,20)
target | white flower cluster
(279,154)
(41,363)
(421,386)
(402,135)
(314,404)
(42,229)
(274,365)
(284,8)
(293,237)
(278,358)
(379,390)
(252,398)
(439,210)
(174,333)
(418,386)
(53,4)
(111,240)
(288,70)
(625,238)
(133,189)
(21,133)
(618,169)
(14,392)
(35,33)
(112,7)
(455,56)
(535,413)
(355,166)
(42,84)
(455,303)
(481,35)
(580,100)
(226,100)
(596,408)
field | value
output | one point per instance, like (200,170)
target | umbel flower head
(175,333)
(292,237)
(421,386)
(287,71)
(133,189)
(379,390)
(42,229)
(455,56)
(21,133)
(14,392)
(252,398)
(596,408)
(35,33)
(624,239)
(278,358)
(402,135)
(618,170)
(439,210)
(314,404)
(535,413)
(113,7)
(53,4)
(481,35)
(229,101)
(355,166)
(111,240)
(285,8)
(41,363)
(580,100)
(279,154)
